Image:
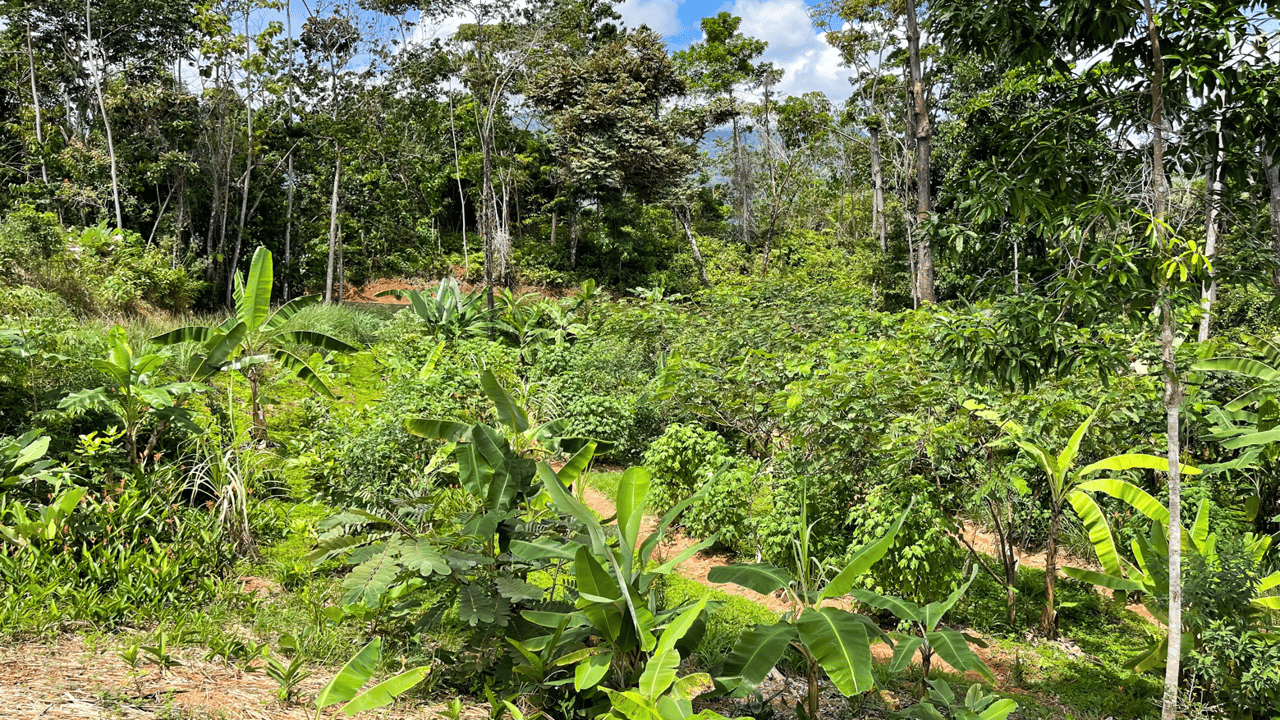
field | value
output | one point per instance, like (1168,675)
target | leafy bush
(680,462)
(924,564)
(738,498)
(607,419)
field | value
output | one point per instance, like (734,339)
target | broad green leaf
(673,563)
(659,673)
(1200,529)
(221,348)
(678,628)
(577,464)
(1067,457)
(184,334)
(1043,458)
(763,578)
(864,558)
(755,653)
(904,609)
(429,367)
(424,557)
(633,490)
(1252,439)
(331,547)
(839,643)
(32,452)
(509,412)
(1135,496)
(1104,544)
(344,686)
(591,671)
(1241,366)
(999,710)
(1094,577)
(438,429)
(316,340)
(954,649)
(569,504)
(904,649)
(386,692)
(933,612)
(289,309)
(691,686)
(1136,461)
(303,372)
(255,302)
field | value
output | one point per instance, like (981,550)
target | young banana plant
(1146,576)
(1062,479)
(830,639)
(950,645)
(133,395)
(345,687)
(256,336)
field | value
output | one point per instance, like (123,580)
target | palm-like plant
(1062,479)
(451,314)
(133,396)
(1147,575)
(256,336)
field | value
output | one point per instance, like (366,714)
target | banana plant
(941,703)
(830,639)
(617,617)
(1146,576)
(661,694)
(256,336)
(133,395)
(1062,479)
(345,687)
(950,645)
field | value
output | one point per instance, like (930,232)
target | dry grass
(68,679)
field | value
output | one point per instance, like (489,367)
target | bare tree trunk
(333,223)
(248,167)
(1272,171)
(462,197)
(1212,199)
(106,123)
(878,224)
(686,220)
(573,237)
(923,137)
(35,103)
(288,233)
(553,228)
(1172,385)
(773,179)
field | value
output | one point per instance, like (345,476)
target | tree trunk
(1172,385)
(288,233)
(923,136)
(1272,171)
(686,220)
(1049,619)
(106,123)
(333,224)
(878,224)
(553,228)
(773,179)
(35,103)
(248,167)
(1212,198)
(256,410)
(740,176)
(462,197)
(573,237)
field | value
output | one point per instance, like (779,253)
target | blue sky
(794,44)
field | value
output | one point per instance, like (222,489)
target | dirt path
(368,293)
(67,678)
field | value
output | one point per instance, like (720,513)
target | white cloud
(795,45)
(659,15)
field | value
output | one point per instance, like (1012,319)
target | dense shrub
(680,462)
(604,418)
(738,498)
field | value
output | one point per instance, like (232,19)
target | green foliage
(345,687)
(681,460)
(731,509)
(925,561)
(941,703)
(609,421)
